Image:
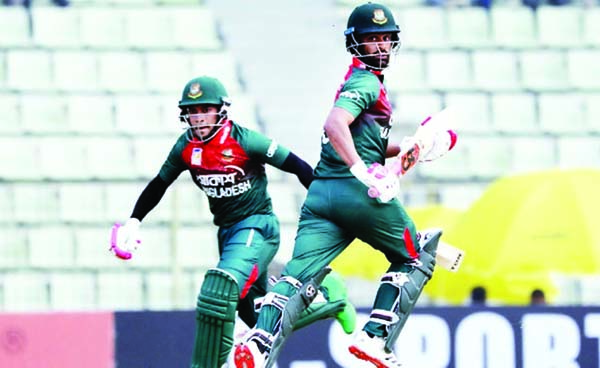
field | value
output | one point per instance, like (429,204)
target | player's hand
(125,239)
(382,183)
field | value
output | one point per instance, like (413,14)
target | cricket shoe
(372,350)
(336,291)
(254,352)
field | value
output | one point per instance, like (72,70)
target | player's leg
(246,250)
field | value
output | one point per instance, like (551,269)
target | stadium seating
(88,113)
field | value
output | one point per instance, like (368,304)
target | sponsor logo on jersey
(379,17)
(272,149)
(227,155)
(195,91)
(223,185)
(351,95)
(384,132)
(196,156)
(230,191)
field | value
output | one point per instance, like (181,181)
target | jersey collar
(360,65)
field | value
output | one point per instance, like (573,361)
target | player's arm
(297,166)
(337,128)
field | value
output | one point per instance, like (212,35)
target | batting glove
(125,239)
(382,183)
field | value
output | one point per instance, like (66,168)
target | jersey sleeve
(173,165)
(264,149)
(358,93)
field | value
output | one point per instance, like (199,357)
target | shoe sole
(366,357)
(243,357)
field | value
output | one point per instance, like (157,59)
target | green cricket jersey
(363,95)
(230,169)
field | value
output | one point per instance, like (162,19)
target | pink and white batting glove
(125,239)
(434,140)
(382,183)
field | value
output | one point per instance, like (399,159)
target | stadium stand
(88,112)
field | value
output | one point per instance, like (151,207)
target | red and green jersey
(363,95)
(230,169)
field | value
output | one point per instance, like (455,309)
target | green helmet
(371,18)
(204,91)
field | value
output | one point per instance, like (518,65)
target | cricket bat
(449,257)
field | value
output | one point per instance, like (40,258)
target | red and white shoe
(253,353)
(372,350)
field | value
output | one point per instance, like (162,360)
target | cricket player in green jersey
(338,209)
(227,162)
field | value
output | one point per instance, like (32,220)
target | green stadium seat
(167,71)
(109,157)
(468,27)
(73,291)
(149,154)
(121,71)
(411,109)
(81,202)
(138,114)
(578,152)
(495,70)
(55,26)
(191,204)
(513,27)
(221,65)
(561,113)
(489,157)
(533,153)
(14,252)
(407,73)
(45,113)
(544,70)
(591,26)
(423,28)
(75,70)
(51,246)
(448,70)
(64,158)
(286,198)
(92,245)
(120,291)
(166,291)
(584,68)
(471,111)
(10,113)
(25,291)
(28,164)
(205,34)
(197,247)
(15,19)
(559,26)
(91,113)
(28,70)
(121,197)
(35,202)
(243,111)
(140,34)
(514,112)
(593,112)
(102,27)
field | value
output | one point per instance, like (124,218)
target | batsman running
(354,196)
(227,162)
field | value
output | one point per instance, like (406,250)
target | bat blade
(449,257)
